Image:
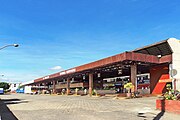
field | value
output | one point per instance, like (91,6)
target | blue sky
(69,33)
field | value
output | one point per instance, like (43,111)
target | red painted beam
(165,59)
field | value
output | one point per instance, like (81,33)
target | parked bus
(1,90)
(143,82)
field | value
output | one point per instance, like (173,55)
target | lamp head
(15,45)
(159,56)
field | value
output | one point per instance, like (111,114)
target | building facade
(160,61)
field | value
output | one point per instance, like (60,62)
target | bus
(143,82)
(1,90)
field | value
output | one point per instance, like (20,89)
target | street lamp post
(15,45)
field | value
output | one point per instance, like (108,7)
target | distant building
(14,86)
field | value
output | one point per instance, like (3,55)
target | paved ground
(49,107)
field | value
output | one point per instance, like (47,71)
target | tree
(4,85)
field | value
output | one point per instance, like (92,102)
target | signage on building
(67,72)
(62,73)
(45,77)
(165,80)
(70,71)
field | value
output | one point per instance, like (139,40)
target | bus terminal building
(149,68)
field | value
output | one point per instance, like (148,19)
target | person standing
(85,91)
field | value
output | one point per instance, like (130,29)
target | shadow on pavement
(13,101)
(142,115)
(5,112)
(159,115)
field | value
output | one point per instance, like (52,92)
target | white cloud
(56,68)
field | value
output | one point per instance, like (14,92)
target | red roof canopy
(126,56)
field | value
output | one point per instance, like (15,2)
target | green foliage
(168,87)
(171,94)
(94,92)
(4,85)
(128,86)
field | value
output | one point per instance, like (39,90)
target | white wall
(14,86)
(27,89)
(175,46)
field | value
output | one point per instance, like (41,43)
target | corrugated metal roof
(161,48)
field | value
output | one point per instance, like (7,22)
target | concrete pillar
(54,87)
(39,89)
(90,84)
(174,82)
(133,77)
(68,86)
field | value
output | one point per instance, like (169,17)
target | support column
(90,84)
(68,86)
(54,87)
(39,89)
(174,81)
(134,77)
